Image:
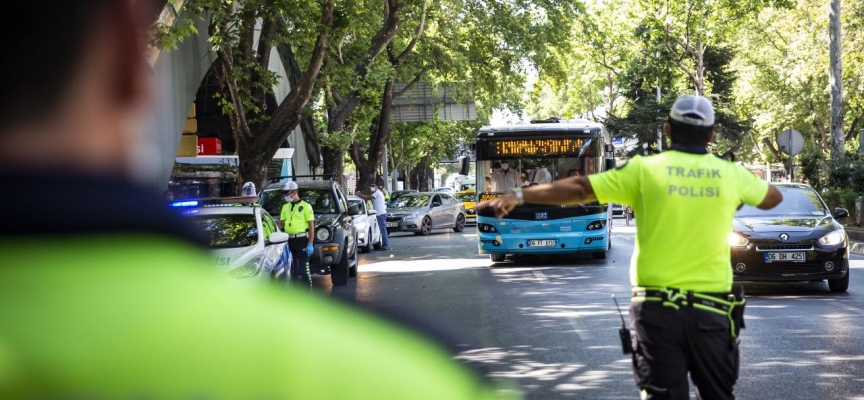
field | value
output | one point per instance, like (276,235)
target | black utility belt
(729,304)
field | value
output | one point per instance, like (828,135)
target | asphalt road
(550,324)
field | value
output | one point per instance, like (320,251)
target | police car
(244,240)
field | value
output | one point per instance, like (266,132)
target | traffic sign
(790,142)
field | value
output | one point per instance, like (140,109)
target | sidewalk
(856,239)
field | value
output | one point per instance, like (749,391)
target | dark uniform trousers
(667,343)
(300,261)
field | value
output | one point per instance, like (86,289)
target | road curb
(856,247)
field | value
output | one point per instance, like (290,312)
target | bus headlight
(833,238)
(322,234)
(737,240)
(487,228)
(596,225)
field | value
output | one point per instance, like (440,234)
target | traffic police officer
(126,302)
(683,314)
(298,221)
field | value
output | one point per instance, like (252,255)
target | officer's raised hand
(501,205)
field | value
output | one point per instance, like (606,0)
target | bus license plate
(798,256)
(542,243)
(392,224)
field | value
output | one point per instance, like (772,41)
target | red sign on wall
(209,146)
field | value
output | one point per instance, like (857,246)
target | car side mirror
(277,237)
(372,212)
(436,205)
(353,210)
(610,164)
(840,213)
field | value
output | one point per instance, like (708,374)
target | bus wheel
(497,257)
(599,255)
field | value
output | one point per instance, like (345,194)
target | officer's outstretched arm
(572,190)
(772,198)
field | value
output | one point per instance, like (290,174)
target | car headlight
(248,269)
(410,217)
(737,240)
(322,234)
(361,226)
(833,238)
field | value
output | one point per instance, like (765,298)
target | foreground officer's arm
(772,198)
(565,191)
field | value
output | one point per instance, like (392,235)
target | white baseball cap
(693,110)
(290,185)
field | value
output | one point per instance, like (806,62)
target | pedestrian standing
(380,205)
(685,316)
(298,221)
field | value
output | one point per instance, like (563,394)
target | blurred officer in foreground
(102,292)
(684,314)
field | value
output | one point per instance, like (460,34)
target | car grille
(783,269)
(394,218)
(799,247)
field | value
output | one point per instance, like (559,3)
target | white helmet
(290,186)
(248,189)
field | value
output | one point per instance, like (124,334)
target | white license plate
(542,243)
(392,224)
(471,219)
(798,256)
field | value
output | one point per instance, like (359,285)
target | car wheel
(339,272)
(460,224)
(840,284)
(368,247)
(425,226)
(497,257)
(599,255)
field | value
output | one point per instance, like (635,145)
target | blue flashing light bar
(187,203)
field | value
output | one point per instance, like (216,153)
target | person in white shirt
(380,206)
(498,178)
(542,175)
(511,177)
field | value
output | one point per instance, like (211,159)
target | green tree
(260,122)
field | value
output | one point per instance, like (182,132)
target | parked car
(617,210)
(335,234)
(244,240)
(468,198)
(396,193)
(422,212)
(798,240)
(366,223)
(448,190)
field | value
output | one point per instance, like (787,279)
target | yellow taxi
(468,198)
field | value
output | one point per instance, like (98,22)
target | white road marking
(541,277)
(580,328)
(847,307)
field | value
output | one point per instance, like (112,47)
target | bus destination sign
(535,147)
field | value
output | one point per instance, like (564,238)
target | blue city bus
(564,148)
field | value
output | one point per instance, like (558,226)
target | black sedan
(799,240)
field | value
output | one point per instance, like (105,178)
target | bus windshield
(504,175)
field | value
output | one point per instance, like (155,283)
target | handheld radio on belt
(623,332)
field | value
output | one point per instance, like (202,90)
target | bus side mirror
(610,164)
(464,165)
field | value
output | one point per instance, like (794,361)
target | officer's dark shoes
(385,248)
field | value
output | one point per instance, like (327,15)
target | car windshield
(411,200)
(465,197)
(321,200)
(797,200)
(227,231)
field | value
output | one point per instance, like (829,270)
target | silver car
(368,233)
(422,212)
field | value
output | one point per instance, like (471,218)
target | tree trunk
(700,69)
(253,165)
(835,79)
(334,164)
